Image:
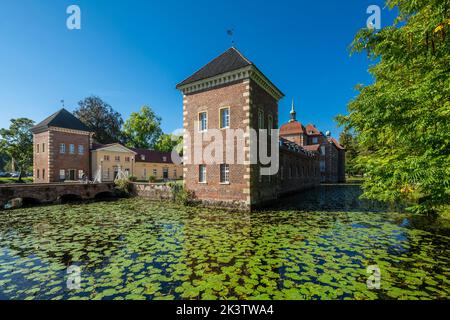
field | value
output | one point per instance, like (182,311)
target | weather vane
(230,33)
(62,103)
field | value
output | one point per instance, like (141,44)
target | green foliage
(123,187)
(136,249)
(403,119)
(152,179)
(349,141)
(181,195)
(3,161)
(17,143)
(133,179)
(101,118)
(142,129)
(169,142)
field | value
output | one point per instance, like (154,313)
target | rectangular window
(62,174)
(80,174)
(117,158)
(164,159)
(80,149)
(62,148)
(155,172)
(202,173)
(175,173)
(43,147)
(106,157)
(72,149)
(203,122)
(127,159)
(37,174)
(224,118)
(142,157)
(43,173)
(261,119)
(224,173)
(37,148)
(145,173)
(315,140)
(322,166)
(322,150)
(270,124)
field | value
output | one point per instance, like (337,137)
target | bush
(123,188)
(180,194)
(133,179)
(152,179)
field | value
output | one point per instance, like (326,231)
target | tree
(101,118)
(17,143)
(142,129)
(403,119)
(169,142)
(3,161)
(352,150)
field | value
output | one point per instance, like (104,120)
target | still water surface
(315,245)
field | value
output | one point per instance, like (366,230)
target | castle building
(61,148)
(231,93)
(332,154)
(64,150)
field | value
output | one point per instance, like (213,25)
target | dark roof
(228,61)
(152,156)
(61,119)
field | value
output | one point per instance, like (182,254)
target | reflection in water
(315,245)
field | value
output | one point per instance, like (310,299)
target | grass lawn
(15,180)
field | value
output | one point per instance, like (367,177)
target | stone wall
(152,191)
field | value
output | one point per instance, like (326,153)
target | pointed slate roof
(61,119)
(228,61)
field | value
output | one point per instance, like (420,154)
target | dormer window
(142,157)
(164,159)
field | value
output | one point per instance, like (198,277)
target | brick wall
(67,161)
(41,157)
(236,97)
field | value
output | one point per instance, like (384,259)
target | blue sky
(132,53)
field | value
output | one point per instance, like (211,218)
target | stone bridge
(53,192)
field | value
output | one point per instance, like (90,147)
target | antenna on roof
(62,103)
(230,33)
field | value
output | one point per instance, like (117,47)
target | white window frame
(62,148)
(202,173)
(227,122)
(81,149)
(202,128)
(226,173)
(71,148)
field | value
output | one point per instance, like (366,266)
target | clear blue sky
(133,52)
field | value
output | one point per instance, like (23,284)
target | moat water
(314,245)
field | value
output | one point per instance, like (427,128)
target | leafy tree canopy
(142,129)
(349,141)
(403,118)
(17,143)
(169,142)
(101,118)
